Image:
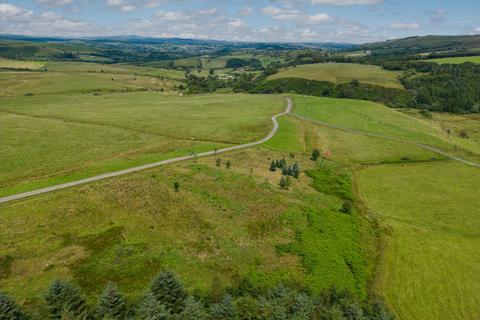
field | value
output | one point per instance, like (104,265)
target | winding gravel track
(151,165)
(376,135)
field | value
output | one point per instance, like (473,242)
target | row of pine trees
(167,300)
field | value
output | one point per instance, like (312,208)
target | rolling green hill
(341,73)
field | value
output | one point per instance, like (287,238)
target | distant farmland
(456,60)
(342,73)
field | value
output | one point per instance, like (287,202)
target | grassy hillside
(57,138)
(430,268)
(114,68)
(456,60)
(341,73)
(425,44)
(64,83)
(128,229)
(369,117)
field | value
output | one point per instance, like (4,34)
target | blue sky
(353,21)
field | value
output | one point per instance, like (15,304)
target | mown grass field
(48,139)
(342,73)
(19,64)
(430,267)
(456,60)
(128,229)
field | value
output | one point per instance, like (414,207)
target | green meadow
(456,60)
(64,83)
(342,73)
(53,137)
(20,64)
(430,265)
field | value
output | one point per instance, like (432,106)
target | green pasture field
(344,147)
(61,83)
(456,60)
(342,73)
(370,117)
(193,62)
(431,216)
(20,64)
(114,68)
(129,228)
(52,138)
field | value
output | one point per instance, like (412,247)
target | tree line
(167,299)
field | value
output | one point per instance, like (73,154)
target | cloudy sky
(352,21)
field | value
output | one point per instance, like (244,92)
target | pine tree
(65,300)
(225,310)
(278,164)
(228,164)
(194,310)
(54,299)
(273,166)
(284,170)
(152,309)
(169,291)
(296,170)
(10,310)
(112,305)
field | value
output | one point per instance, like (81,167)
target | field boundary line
(150,165)
(377,135)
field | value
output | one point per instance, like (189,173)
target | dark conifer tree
(224,310)
(152,309)
(194,310)
(10,310)
(273,166)
(169,291)
(112,305)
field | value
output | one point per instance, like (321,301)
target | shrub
(463,134)
(315,154)
(346,207)
(218,162)
(228,164)
(176,186)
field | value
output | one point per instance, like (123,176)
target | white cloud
(55,3)
(246,11)
(10,10)
(127,8)
(295,15)
(172,16)
(477,29)
(237,24)
(346,2)
(405,26)
(208,12)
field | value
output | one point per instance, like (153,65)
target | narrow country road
(151,165)
(376,135)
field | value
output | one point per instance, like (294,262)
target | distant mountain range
(139,40)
